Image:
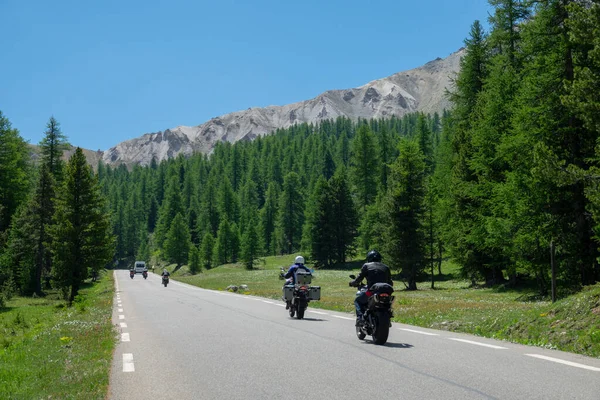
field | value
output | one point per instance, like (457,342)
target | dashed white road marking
(121,316)
(128,362)
(123,325)
(340,317)
(420,332)
(318,312)
(120,310)
(558,360)
(125,337)
(280,305)
(480,344)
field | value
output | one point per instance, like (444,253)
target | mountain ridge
(419,89)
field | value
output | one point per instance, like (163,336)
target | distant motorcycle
(377,317)
(299,295)
(131,274)
(165,280)
(145,274)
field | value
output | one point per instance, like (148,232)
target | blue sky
(114,70)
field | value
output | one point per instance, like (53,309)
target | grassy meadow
(517,315)
(50,351)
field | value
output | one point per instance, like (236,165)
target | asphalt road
(183,342)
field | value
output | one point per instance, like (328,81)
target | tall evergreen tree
(343,215)
(52,146)
(250,243)
(363,161)
(317,236)
(14,171)
(194,259)
(172,206)
(206,250)
(268,218)
(80,233)
(404,207)
(177,243)
(290,216)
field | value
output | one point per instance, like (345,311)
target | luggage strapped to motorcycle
(381,287)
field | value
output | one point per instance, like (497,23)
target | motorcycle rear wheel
(382,329)
(292,311)
(300,313)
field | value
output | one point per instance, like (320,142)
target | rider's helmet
(299,260)
(373,256)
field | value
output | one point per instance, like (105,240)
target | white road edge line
(318,312)
(128,362)
(340,317)
(280,305)
(420,332)
(123,325)
(120,310)
(121,316)
(268,302)
(491,346)
(558,360)
(125,337)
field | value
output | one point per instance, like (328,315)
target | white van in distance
(139,267)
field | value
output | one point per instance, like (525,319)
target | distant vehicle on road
(140,267)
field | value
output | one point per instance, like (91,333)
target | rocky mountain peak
(420,89)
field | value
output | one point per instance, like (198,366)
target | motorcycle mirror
(353,276)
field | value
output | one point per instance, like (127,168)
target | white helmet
(299,260)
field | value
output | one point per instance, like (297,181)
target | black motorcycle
(165,280)
(377,317)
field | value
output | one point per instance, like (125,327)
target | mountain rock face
(420,89)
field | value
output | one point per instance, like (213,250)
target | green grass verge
(571,324)
(50,351)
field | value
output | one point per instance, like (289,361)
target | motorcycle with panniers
(377,317)
(298,295)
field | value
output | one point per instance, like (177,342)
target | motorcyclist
(165,273)
(290,275)
(375,272)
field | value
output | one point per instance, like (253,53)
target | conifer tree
(172,206)
(318,237)
(177,243)
(250,243)
(52,146)
(404,237)
(80,233)
(14,171)
(194,260)
(363,161)
(344,216)
(206,250)
(220,248)
(290,216)
(268,218)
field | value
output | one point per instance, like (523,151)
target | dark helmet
(373,256)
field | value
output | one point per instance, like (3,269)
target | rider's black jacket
(375,272)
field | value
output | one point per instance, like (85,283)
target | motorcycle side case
(314,293)
(288,292)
